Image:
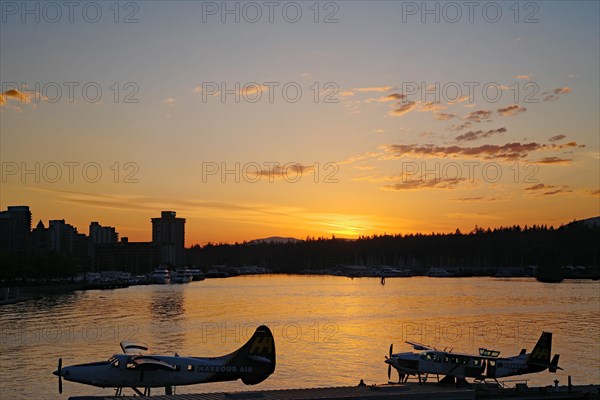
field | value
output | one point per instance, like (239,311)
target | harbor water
(328,330)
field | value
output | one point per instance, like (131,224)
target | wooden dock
(409,391)
(379,392)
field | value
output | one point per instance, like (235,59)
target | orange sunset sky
(354,118)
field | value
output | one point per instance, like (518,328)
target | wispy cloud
(553,160)
(479,116)
(511,110)
(431,106)
(373,89)
(444,116)
(23,97)
(412,184)
(475,135)
(387,98)
(557,138)
(555,94)
(459,127)
(508,151)
(404,108)
(476,198)
(542,189)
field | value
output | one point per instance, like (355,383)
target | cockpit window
(114,361)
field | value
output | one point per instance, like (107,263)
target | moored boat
(161,275)
(182,275)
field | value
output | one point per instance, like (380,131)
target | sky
(258,119)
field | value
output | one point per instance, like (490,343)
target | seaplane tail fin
(554,364)
(257,357)
(540,356)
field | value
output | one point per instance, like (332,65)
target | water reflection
(167,316)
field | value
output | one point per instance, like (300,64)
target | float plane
(455,367)
(136,369)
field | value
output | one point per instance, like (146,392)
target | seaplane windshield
(488,353)
(114,361)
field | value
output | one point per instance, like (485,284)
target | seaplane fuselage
(252,363)
(486,365)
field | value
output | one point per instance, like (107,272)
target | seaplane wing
(419,346)
(131,347)
(252,363)
(146,362)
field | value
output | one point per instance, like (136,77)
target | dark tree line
(481,249)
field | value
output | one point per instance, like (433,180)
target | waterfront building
(168,232)
(15,228)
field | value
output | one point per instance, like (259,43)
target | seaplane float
(135,368)
(456,367)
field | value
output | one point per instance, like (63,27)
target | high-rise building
(40,237)
(103,234)
(168,232)
(65,239)
(15,228)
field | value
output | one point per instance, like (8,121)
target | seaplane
(135,368)
(456,367)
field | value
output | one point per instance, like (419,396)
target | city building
(15,228)
(168,232)
(65,239)
(103,234)
(40,237)
(133,257)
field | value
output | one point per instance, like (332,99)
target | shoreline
(13,294)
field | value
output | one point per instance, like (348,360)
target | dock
(409,391)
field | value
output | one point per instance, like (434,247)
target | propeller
(390,365)
(59,370)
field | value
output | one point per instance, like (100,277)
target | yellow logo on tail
(262,344)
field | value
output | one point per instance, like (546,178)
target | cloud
(475,135)
(524,76)
(23,97)
(444,116)
(557,138)
(169,101)
(508,151)
(373,89)
(404,108)
(389,97)
(347,93)
(555,93)
(459,100)
(542,189)
(249,90)
(477,198)
(431,106)
(460,127)
(479,116)
(511,110)
(443,183)
(553,160)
